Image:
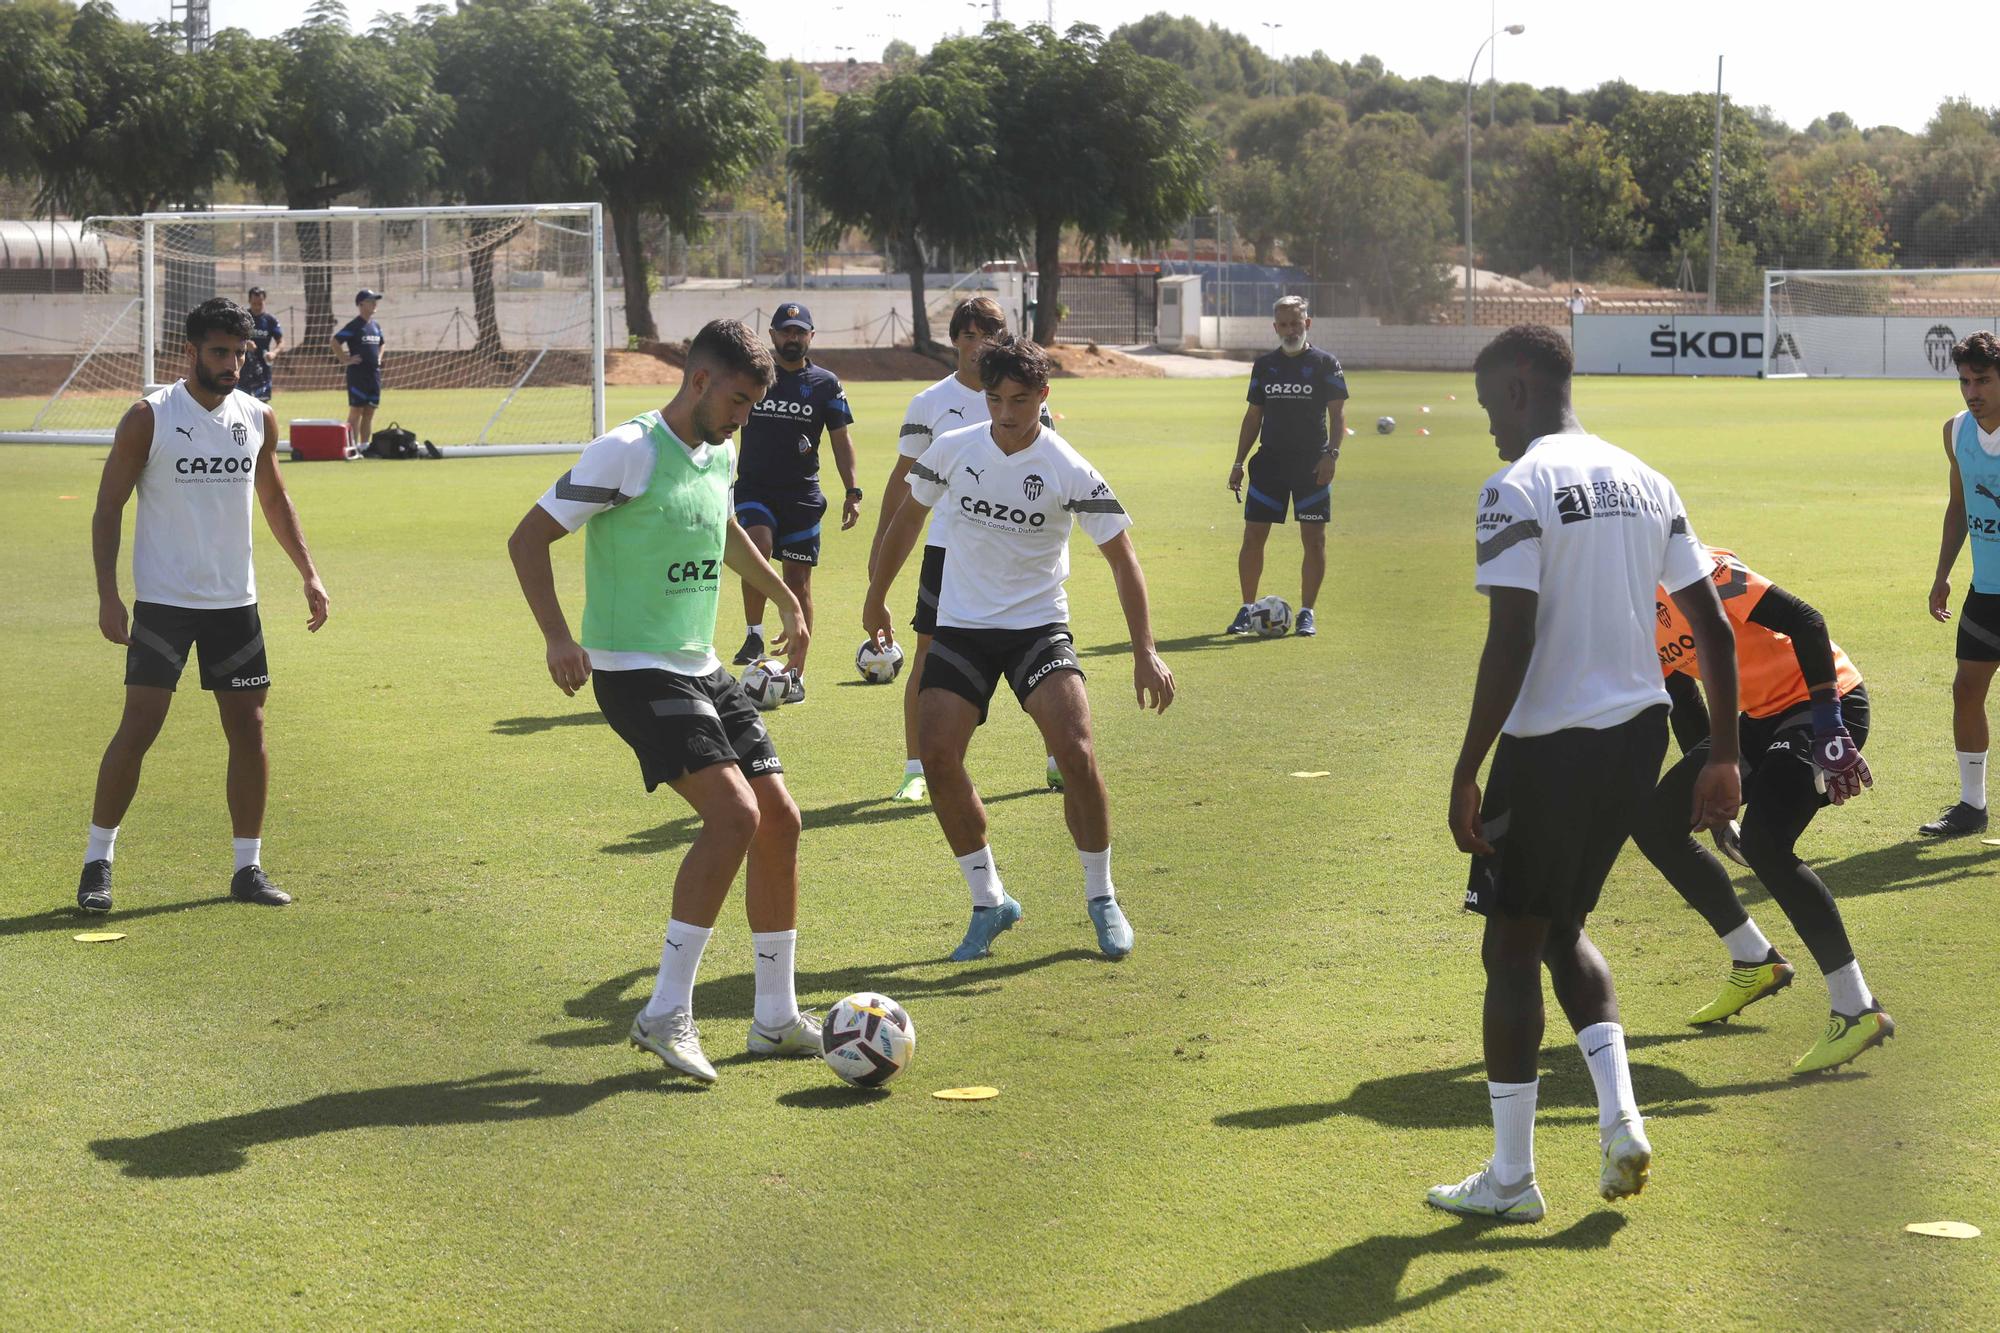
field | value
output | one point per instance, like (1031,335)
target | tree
(1739,277)
(540,117)
(1834,220)
(39,106)
(1277,129)
(355,114)
(1573,191)
(1669,139)
(1253,191)
(693,79)
(912,161)
(1366,216)
(1216,61)
(1092,135)
(898,53)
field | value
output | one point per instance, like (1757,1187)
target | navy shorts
(261,392)
(230,641)
(792,516)
(1277,483)
(1979,627)
(971,662)
(677,724)
(364,395)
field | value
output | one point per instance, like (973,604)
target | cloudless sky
(1881,66)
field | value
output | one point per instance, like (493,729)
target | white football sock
(1972,778)
(1513,1130)
(758,629)
(777,1001)
(247,850)
(680,959)
(1847,990)
(913,768)
(1747,945)
(1053,768)
(1096,874)
(1604,1051)
(101,846)
(982,876)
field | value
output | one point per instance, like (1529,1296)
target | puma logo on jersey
(954,411)
(1979,488)
(190,434)
(975,475)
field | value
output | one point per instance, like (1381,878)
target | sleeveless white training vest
(192,543)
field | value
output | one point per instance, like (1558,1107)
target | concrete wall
(1362,344)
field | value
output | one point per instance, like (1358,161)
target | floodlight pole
(1512,29)
(1715,191)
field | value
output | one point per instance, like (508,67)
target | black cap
(258,291)
(367,294)
(792,315)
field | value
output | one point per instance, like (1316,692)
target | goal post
(1873,323)
(493,317)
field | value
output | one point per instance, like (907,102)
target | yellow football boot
(1846,1036)
(1747,984)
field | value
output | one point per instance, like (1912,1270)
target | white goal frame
(151,291)
(1900,340)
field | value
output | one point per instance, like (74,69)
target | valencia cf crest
(1032,487)
(240,433)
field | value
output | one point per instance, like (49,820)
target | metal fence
(1117,308)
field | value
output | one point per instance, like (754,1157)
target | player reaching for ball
(1014,488)
(1298,405)
(653,499)
(1805,719)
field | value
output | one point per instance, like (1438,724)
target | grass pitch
(406,1100)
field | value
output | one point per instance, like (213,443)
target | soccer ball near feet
(1270,617)
(879,663)
(868,1039)
(764,681)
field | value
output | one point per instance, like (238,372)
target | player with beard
(653,499)
(778,500)
(196,452)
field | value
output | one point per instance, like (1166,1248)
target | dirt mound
(1089,361)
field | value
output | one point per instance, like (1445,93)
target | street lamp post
(1273,28)
(1512,29)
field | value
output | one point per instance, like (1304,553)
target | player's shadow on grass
(610,1004)
(1892,869)
(532,726)
(68,918)
(874,810)
(1456,1098)
(212,1147)
(1192,643)
(1360,1286)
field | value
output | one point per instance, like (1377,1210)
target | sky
(1801,61)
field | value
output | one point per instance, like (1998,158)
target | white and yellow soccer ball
(1385,425)
(868,1039)
(879,663)
(765,681)
(1270,617)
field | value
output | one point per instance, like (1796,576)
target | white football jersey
(1011,516)
(944,407)
(191,543)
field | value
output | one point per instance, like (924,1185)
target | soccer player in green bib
(653,498)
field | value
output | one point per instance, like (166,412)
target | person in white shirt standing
(1573,537)
(954,402)
(194,452)
(1013,488)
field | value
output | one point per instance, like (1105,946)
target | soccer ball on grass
(868,1039)
(765,681)
(1385,425)
(879,663)
(1270,617)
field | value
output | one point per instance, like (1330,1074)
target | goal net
(492,318)
(1873,323)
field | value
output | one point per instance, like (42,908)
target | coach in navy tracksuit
(359,343)
(778,499)
(267,339)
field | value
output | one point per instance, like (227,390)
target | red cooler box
(320,440)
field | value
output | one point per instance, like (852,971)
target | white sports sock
(982,876)
(777,1001)
(1052,765)
(247,850)
(1747,945)
(1972,778)
(102,844)
(1849,993)
(758,630)
(680,959)
(1096,874)
(913,768)
(1604,1051)
(1513,1130)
